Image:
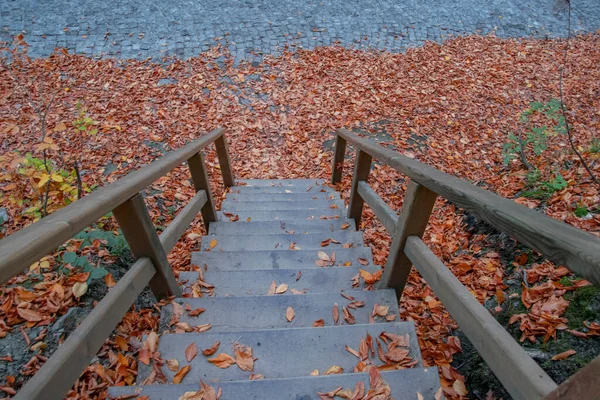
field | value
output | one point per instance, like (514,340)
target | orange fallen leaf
(29,315)
(272,288)
(144,356)
(319,323)
(212,349)
(213,243)
(190,352)
(243,357)
(336,313)
(345,226)
(563,355)
(223,360)
(195,312)
(181,374)
(370,278)
(109,280)
(363,261)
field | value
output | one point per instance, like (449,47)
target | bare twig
(567,3)
(522,153)
(78,176)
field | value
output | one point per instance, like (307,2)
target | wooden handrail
(28,245)
(560,242)
(519,373)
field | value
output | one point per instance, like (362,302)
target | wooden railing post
(362,168)
(337,167)
(224,161)
(200,179)
(140,233)
(584,385)
(417,206)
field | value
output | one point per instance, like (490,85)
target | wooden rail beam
(414,216)
(362,169)
(584,385)
(384,213)
(138,229)
(179,225)
(519,374)
(58,374)
(224,161)
(337,167)
(201,182)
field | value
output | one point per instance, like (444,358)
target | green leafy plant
(83,122)
(581,211)
(542,190)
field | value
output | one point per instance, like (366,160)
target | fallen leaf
(243,357)
(336,313)
(563,355)
(29,315)
(212,349)
(289,314)
(334,370)
(281,288)
(319,323)
(272,288)
(370,278)
(190,352)
(213,243)
(323,256)
(109,280)
(181,374)
(345,226)
(173,365)
(223,360)
(460,388)
(79,289)
(363,261)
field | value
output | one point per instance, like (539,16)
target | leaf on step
(321,263)
(352,351)
(190,352)
(294,247)
(183,327)
(209,392)
(370,278)
(420,396)
(213,243)
(347,296)
(323,256)
(271,291)
(195,312)
(298,276)
(318,323)
(144,356)
(315,373)
(363,261)
(325,243)
(349,318)
(256,377)
(173,365)
(335,241)
(355,304)
(334,370)
(181,374)
(199,395)
(329,395)
(390,317)
(202,328)
(295,291)
(151,342)
(345,226)
(281,288)
(288,191)
(438,394)
(289,314)
(398,354)
(243,357)
(380,310)
(222,361)
(347,263)
(212,349)
(336,313)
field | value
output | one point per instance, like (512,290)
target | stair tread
(282,205)
(277,260)
(283,215)
(258,282)
(281,242)
(281,189)
(309,348)
(235,197)
(269,312)
(404,385)
(277,227)
(283,182)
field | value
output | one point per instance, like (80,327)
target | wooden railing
(124,198)
(562,243)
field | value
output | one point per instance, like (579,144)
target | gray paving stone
(404,385)
(282,242)
(273,259)
(269,312)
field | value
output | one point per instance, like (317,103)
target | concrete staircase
(242,270)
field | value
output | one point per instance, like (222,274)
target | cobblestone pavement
(184,28)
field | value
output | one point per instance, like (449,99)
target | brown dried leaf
(318,323)
(334,370)
(281,288)
(336,314)
(212,349)
(223,360)
(181,374)
(243,357)
(289,314)
(190,352)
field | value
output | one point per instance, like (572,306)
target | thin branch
(78,175)
(562,102)
(522,153)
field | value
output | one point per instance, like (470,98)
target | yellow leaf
(45,178)
(79,289)
(213,243)
(45,264)
(56,177)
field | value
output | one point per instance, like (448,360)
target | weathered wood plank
(201,182)
(224,161)
(58,374)
(31,243)
(386,215)
(584,385)
(138,229)
(337,167)
(182,221)
(416,208)
(560,242)
(362,169)
(519,374)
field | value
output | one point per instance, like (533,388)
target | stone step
(404,385)
(283,215)
(273,259)
(299,241)
(299,183)
(269,312)
(233,197)
(278,227)
(315,190)
(279,353)
(258,282)
(282,205)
